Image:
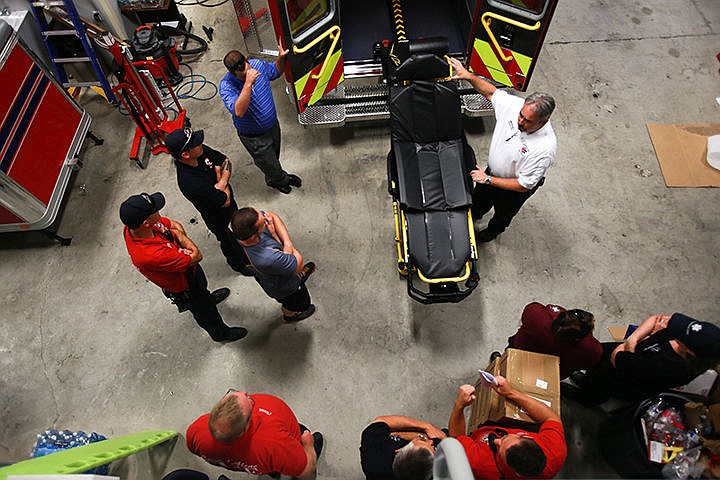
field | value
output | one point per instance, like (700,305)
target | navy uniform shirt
(197,184)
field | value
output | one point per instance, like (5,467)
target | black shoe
(234,333)
(318,443)
(578,378)
(294,181)
(300,316)
(220,294)
(495,355)
(485,236)
(306,271)
(283,189)
(247,272)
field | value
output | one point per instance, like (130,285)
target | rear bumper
(363,97)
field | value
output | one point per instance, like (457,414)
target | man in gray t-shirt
(278,266)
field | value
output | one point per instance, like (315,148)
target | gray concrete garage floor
(87,343)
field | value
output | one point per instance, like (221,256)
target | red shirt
(535,335)
(158,257)
(550,438)
(270,444)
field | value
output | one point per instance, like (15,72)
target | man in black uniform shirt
(395,447)
(662,353)
(203,175)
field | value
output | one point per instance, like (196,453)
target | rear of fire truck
(335,75)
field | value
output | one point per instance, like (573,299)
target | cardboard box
(715,416)
(619,334)
(682,153)
(534,374)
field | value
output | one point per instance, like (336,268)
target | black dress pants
(202,305)
(506,203)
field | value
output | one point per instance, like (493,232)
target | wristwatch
(487,180)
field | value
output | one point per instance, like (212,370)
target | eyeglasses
(258,230)
(247,395)
(236,66)
(525,119)
(188,133)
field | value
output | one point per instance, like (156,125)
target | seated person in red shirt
(258,434)
(495,452)
(553,330)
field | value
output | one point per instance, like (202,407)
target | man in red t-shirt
(258,434)
(495,452)
(161,251)
(553,330)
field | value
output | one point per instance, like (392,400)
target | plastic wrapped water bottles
(51,441)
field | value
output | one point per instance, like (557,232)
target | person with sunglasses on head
(258,434)
(162,252)
(553,330)
(396,447)
(522,149)
(246,93)
(278,266)
(203,176)
(497,452)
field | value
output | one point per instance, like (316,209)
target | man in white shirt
(523,147)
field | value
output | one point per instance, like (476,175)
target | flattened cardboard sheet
(681,150)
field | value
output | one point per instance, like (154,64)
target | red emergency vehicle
(334,75)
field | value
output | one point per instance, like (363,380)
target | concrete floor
(89,344)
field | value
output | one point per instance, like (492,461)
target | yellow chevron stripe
(491,61)
(488,57)
(300,85)
(323,81)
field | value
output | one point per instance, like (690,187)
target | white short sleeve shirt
(516,154)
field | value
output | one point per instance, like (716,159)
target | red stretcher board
(41,131)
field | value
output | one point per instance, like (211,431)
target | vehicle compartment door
(506,38)
(310,29)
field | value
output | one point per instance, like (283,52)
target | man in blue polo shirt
(247,95)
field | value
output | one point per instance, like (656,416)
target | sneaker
(233,334)
(486,236)
(294,181)
(306,271)
(318,443)
(220,294)
(283,189)
(300,316)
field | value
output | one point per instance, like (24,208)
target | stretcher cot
(429,180)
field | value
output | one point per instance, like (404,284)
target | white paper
(540,383)
(487,378)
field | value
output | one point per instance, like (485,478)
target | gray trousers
(265,152)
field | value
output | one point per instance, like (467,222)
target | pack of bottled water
(51,441)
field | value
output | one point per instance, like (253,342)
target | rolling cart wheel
(402,269)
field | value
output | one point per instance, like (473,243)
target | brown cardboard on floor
(534,374)
(681,150)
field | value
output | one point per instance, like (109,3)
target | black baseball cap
(703,338)
(182,140)
(136,209)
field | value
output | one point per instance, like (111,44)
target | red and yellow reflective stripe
(484,61)
(309,90)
